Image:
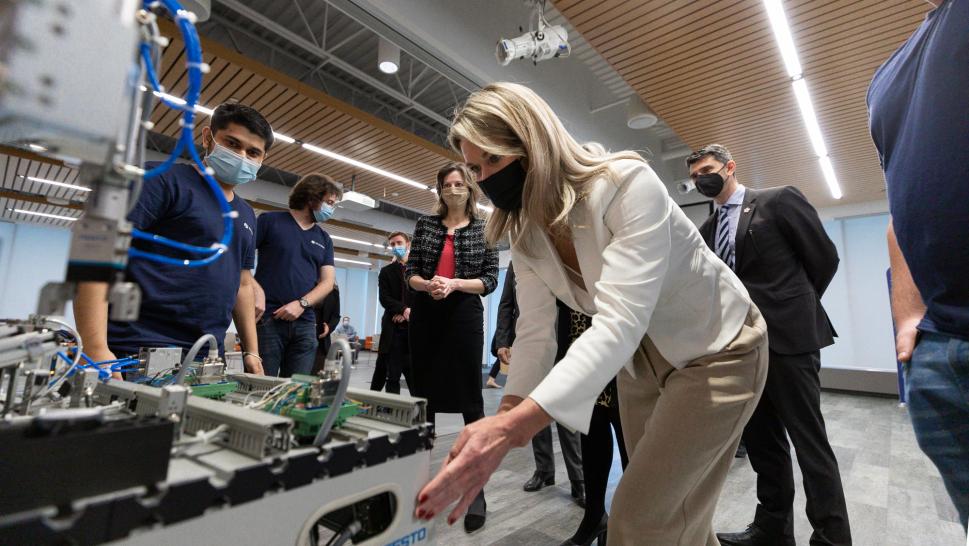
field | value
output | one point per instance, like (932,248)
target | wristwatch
(304,303)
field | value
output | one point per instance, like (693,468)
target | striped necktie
(723,236)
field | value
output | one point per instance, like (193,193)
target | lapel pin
(746,210)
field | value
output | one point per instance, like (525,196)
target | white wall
(30,257)
(857,300)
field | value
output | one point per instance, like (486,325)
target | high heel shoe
(586,539)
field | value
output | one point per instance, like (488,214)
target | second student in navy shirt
(295,272)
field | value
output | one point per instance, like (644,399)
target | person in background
(180,304)
(450,267)
(597,444)
(918,105)
(295,273)
(393,354)
(346,330)
(774,241)
(504,328)
(600,232)
(544,474)
(327,319)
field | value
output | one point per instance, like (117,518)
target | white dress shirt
(735,203)
(646,270)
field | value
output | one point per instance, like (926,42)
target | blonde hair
(508,119)
(474,192)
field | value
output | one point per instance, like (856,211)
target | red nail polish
(430,516)
(421,499)
(420,514)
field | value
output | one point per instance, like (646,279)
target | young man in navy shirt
(180,304)
(295,273)
(918,105)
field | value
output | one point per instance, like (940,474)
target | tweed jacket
(472,258)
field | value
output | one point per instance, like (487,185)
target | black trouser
(379,378)
(571,452)
(792,402)
(597,458)
(398,363)
(495,369)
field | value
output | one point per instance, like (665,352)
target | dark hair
(474,193)
(399,234)
(245,116)
(313,187)
(718,151)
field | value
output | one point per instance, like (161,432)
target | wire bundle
(195,67)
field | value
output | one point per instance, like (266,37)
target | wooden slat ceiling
(712,71)
(302,112)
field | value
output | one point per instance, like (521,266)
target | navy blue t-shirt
(919,114)
(290,259)
(179,304)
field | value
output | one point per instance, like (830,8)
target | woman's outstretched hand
(475,455)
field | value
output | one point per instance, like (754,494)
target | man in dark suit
(504,328)
(327,319)
(774,242)
(393,354)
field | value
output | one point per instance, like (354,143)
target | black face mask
(505,187)
(710,184)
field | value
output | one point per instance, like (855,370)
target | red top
(445,265)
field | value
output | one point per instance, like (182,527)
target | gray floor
(895,496)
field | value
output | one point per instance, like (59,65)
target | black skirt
(446,343)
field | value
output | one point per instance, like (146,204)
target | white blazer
(648,272)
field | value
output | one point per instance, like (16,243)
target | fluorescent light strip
(785,42)
(356,241)
(351,261)
(208,112)
(362,165)
(56,183)
(782,33)
(290,140)
(45,215)
(830,177)
(809,116)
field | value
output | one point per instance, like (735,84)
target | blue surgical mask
(323,213)
(399,252)
(230,167)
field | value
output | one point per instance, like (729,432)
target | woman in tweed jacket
(451,267)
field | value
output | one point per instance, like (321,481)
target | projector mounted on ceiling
(544,43)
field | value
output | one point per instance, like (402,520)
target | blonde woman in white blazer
(600,232)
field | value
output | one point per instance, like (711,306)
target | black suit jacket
(395,296)
(786,261)
(507,314)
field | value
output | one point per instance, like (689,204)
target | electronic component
(57,459)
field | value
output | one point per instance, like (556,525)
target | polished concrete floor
(895,496)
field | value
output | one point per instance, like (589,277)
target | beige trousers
(682,428)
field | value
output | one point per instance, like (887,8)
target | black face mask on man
(505,187)
(710,184)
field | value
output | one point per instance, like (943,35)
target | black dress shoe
(754,536)
(741,452)
(578,493)
(538,481)
(585,537)
(477,512)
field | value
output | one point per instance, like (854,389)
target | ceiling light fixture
(34,147)
(638,115)
(322,151)
(388,56)
(362,165)
(355,241)
(344,260)
(45,215)
(785,42)
(55,183)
